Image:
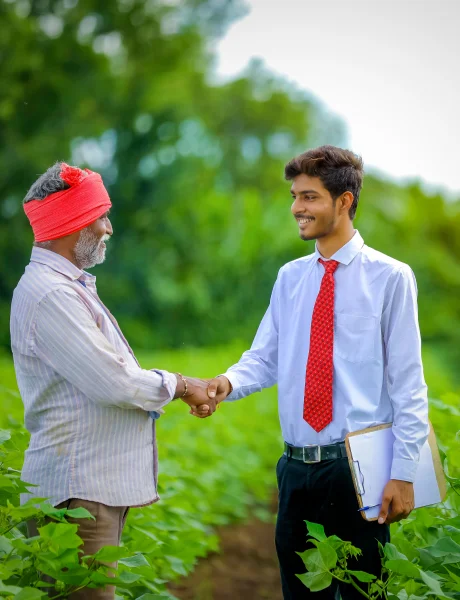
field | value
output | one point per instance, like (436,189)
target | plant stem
(72,590)
(5,531)
(358,588)
(350,580)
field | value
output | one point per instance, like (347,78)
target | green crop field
(213,472)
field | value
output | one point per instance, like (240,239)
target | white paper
(426,489)
(372,454)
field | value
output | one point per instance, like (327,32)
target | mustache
(297,216)
(105,237)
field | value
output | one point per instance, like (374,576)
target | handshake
(202,395)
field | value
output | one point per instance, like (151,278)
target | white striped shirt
(86,398)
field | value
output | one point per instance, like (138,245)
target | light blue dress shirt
(378,372)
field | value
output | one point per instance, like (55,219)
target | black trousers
(321,493)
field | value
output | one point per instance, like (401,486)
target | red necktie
(317,408)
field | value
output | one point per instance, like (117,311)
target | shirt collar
(60,264)
(346,253)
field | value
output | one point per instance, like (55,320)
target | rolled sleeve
(67,339)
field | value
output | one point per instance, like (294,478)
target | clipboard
(370,454)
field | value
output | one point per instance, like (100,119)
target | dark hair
(47,184)
(339,170)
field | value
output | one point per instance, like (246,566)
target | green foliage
(433,570)
(55,552)
(211,472)
(424,557)
(194,169)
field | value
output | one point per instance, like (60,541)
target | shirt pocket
(356,337)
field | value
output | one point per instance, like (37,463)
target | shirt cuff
(232,377)
(169,384)
(404,469)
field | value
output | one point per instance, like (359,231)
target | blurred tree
(194,169)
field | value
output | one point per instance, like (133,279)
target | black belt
(315,454)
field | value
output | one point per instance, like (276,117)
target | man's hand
(397,501)
(218,389)
(196,395)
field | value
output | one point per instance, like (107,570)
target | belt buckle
(317,453)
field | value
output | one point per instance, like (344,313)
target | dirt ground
(246,569)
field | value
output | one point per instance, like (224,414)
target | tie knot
(329,265)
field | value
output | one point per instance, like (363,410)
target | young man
(89,407)
(341,339)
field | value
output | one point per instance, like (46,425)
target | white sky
(389,68)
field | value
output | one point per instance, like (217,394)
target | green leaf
(432,584)
(426,558)
(328,555)
(61,535)
(445,546)
(29,593)
(408,549)
(34,501)
(5,435)
(25,545)
(6,482)
(49,566)
(392,553)
(362,576)
(5,545)
(62,513)
(321,558)
(403,567)
(9,589)
(101,578)
(316,582)
(453,576)
(138,560)
(79,513)
(311,559)
(128,577)
(316,531)
(177,565)
(112,553)
(153,597)
(50,511)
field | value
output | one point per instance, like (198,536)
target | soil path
(246,569)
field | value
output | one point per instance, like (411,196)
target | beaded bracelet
(185,385)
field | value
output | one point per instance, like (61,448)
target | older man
(89,407)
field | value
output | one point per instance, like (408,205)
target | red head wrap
(70,210)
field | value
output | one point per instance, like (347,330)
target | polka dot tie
(317,408)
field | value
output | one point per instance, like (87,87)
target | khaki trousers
(105,530)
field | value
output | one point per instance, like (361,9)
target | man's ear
(346,200)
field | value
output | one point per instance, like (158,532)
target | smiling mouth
(305,220)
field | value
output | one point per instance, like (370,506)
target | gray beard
(88,250)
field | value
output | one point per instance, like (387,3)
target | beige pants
(105,530)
